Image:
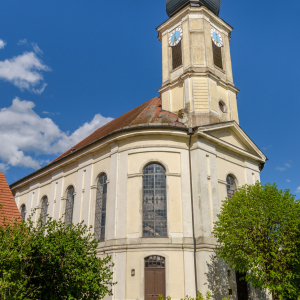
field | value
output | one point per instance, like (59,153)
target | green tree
(52,261)
(258,233)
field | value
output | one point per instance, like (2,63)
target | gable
(231,134)
(228,135)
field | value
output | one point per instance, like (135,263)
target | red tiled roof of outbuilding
(149,113)
(8,206)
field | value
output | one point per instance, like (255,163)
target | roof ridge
(150,102)
(113,120)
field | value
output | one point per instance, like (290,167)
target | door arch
(155,277)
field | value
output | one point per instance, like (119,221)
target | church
(152,181)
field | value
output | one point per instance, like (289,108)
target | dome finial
(174,5)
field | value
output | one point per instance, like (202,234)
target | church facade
(151,182)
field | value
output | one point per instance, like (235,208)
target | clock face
(175,37)
(216,37)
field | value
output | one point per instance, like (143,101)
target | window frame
(73,204)
(217,51)
(44,216)
(101,237)
(178,47)
(155,205)
(228,189)
(23,212)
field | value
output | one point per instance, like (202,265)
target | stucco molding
(46,195)
(72,184)
(173,174)
(103,171)
(235,177)
(135,175)
(153,161)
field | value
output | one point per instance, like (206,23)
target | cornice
(200,72)
(189,10)
(137,131)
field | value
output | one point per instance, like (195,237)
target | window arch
(154,261)
(44,210)
(231,185)
(69,206)
(23,211)
(154,201)
(100,210)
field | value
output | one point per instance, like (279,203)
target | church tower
(196,64)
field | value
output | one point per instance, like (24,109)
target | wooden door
(242,287)
(155,283)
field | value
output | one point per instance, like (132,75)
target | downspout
(190,133)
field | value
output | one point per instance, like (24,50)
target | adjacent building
(8,208)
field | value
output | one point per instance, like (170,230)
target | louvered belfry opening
(217,53)
(176,56)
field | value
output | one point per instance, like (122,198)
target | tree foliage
(51,261)
(258,233)
(208,296)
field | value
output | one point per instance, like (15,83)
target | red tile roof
(8,206)
(147,114)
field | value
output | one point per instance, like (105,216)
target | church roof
(174,5)
(8,206)
(148,114)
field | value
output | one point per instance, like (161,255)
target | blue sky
(67,67)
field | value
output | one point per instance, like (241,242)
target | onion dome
(174,5)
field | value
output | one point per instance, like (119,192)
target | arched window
(69,206)
(154,202)
(100,211)
(231,186)
(44,210)
(23,211)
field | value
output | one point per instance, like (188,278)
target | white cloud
(298,190)
(2,44)
(22,42)
(268,147)
(24,135)
(3,167)
(50,113)
(288,180)
(36,48)
(284,168)
(25,72)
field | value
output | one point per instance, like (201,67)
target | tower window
(222,107)
(217,53)
(176,56)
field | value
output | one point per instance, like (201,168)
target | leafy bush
(208,296)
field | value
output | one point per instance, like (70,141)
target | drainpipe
(190,133)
